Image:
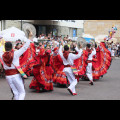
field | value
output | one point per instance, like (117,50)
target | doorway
(40,29)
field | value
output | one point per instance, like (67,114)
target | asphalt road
(107,88)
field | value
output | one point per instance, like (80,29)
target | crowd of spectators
(51,41)
(114,48)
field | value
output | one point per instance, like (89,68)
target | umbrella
(88,37)
(13,34)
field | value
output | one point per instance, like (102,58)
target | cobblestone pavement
(107,88)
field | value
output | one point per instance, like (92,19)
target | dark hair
(19,40)
(8,46)
(66,48)
(88,45)
(18,44)
(36,43)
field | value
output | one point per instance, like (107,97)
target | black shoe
(70,91)
(91,83)
(101,76)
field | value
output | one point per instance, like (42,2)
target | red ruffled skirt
(59,75)
(42,78)
(103,62)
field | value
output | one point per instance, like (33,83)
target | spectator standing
(109,48)
(113,53)
(119,51)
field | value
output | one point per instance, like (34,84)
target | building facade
(72,28)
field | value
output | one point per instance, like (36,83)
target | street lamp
(21,24)
(1,25)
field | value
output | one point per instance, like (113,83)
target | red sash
(67,65)
(89,61)
(11,72)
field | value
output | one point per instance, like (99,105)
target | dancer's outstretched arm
(80,52)
(19,52)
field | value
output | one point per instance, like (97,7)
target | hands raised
(74,44)
(80,45)
(30,35)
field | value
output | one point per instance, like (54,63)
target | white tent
(13,34)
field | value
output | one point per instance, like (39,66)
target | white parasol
(13,34)
(87,37)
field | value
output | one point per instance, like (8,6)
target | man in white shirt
(91,53)
(68,61)
(10,59)
(42,36)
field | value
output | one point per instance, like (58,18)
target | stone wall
(12,23)
(98,27)
(63,30)
(79,32)
(68,31)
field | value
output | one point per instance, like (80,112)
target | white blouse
(71,56)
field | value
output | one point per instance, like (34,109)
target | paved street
(107,88)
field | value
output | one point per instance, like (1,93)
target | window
(74,32)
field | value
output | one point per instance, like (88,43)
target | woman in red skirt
(43,72)
(59,76)
(101,61)
(27,60)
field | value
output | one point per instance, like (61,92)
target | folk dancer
(10,59)
(68,61)
(91,53)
